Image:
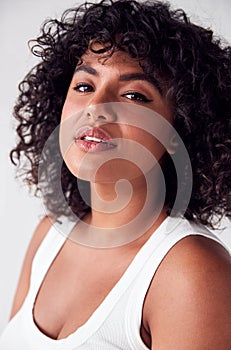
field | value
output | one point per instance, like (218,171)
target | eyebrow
(86,69)
(144,77)
(124,77)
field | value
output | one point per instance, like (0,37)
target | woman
(138,91)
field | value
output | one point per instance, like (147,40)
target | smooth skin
(188,304)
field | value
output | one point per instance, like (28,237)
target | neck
(117,204)
(122,212)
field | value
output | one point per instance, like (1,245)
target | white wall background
(19,212)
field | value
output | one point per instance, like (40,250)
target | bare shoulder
(188,305)
(24,279)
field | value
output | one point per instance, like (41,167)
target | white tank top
(115,325)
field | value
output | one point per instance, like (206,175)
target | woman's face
(106,117)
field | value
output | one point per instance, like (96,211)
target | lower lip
(91,146)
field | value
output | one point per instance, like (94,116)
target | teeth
(92,138)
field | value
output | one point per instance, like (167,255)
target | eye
(83,88)
(136,96)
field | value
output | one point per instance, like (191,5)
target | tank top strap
(47,251)
(175,229)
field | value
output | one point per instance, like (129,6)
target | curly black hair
(192,65)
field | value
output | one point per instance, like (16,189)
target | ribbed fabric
(115,325)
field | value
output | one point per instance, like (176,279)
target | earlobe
(173,145)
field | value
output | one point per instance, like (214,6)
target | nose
(101,113)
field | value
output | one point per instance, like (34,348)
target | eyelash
(78,86)
(137,96)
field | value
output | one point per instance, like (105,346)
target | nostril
(101,117)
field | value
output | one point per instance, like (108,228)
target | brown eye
(136,96)
(83,88)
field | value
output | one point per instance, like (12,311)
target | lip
(87,139)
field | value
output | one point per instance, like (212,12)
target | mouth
(92,139)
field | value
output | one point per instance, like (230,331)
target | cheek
(68,108)
(72,105)
(146,140)
(153,145)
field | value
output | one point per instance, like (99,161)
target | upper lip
(93,132)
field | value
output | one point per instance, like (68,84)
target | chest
(75,285)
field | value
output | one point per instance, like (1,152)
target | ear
(172,145)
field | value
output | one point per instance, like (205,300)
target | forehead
(117,59)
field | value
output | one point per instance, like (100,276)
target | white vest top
(115,324)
